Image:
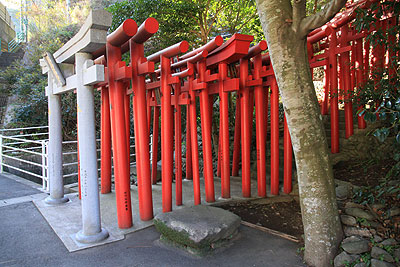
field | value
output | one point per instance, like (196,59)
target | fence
(24,150)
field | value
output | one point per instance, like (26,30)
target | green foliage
(195,21)
(25,79)
(380,95)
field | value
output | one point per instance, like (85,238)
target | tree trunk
(288,50)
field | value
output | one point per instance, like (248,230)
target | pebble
(356,247)
(359,213)
(389,242)
(349,231)
(360,264)
(348,220)
(343,259)
(378,263)
(380,253)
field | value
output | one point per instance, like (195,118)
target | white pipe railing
(13,147)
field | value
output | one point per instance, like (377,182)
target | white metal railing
(19,143)
(24,145)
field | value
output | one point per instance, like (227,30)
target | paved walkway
(26,239)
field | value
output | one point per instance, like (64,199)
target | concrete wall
(7,28)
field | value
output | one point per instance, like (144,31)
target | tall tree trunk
(288,50)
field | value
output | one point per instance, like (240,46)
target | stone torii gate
(72,68)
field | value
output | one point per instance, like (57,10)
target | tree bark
(286,38)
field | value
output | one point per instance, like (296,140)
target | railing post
(44,176)
(1,154)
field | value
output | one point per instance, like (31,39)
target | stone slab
(198,227)
(66,219)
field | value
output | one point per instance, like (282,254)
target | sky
(13,4)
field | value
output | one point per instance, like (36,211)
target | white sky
(13,4)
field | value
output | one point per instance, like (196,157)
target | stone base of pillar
(56,201)
(89,239)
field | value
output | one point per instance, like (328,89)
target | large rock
(389,242)
(359,213)
(349,231)
(381,254)
(378,263)
(356,247)
(348,220)
(342,191)
(343,259)
(199,228)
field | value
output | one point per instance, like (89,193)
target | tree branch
(299,13)
(318,19)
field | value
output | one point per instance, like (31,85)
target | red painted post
(224,132)
(334,92)
(259,93)
(367,69)
(178,147)
(288,158)
(346,79)
(140,67)
(324,107)
(127,110)
(105,168)
(166,136)
(148,99)
(245,128)
(193,139)
(154,155)
(236,140)
(274,138)
(118,126)
(206,135)
(189,171)
(167,123)
(359,65)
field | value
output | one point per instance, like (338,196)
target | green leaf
(381,134)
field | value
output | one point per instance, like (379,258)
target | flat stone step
(199,229)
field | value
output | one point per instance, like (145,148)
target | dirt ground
(285,217)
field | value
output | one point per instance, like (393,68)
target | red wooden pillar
(346,79)
(156,128)
(105,169)
(359,78)
(206,134)
(236,139)
(274,138)
(324,107)
(259,94)
(189,171)
(288,158)
(193,139)
(178,146)
(140,67)
(334,91)
(118,124)
(245,128)
(127,110)
(224,132)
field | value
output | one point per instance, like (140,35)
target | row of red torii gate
(163,84)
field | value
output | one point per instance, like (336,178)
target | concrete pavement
(26,239)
